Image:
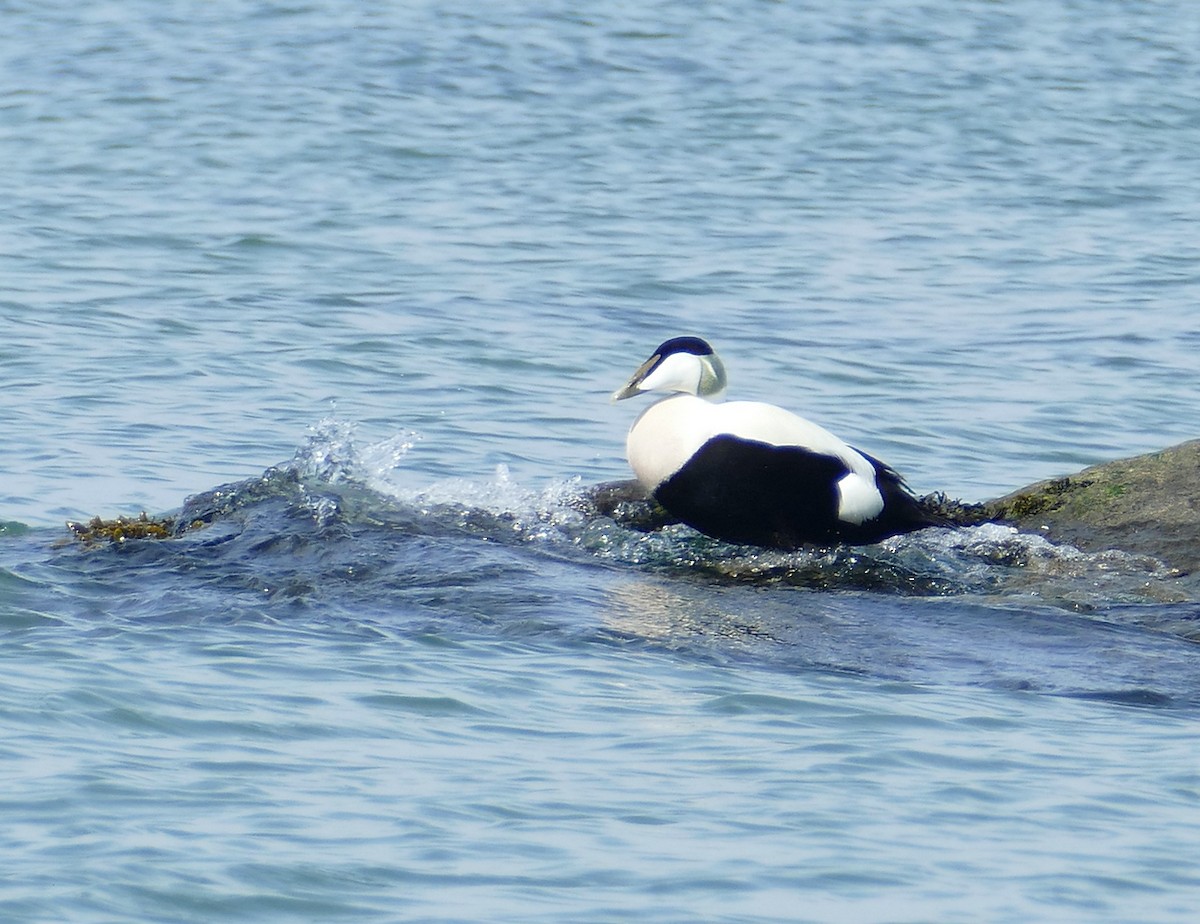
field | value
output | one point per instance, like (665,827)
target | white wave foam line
(1005,546)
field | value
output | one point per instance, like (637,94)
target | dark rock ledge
(1145,505)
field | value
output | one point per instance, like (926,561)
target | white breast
(666,435)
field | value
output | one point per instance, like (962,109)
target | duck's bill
(634,385)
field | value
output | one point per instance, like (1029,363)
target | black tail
(903,511)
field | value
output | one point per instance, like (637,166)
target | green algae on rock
(123,529)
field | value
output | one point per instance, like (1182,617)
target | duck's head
(682,364)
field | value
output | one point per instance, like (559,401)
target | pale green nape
(712,376)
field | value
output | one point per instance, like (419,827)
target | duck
(751,473)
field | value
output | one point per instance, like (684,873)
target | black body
(781,497)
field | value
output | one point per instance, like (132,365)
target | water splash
(333,454)
(497,508)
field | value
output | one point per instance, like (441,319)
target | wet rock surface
(1146,505)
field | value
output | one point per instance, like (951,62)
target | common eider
(752,473)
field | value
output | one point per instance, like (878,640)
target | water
(358,279)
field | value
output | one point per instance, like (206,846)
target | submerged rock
(627,503)
(1146,505)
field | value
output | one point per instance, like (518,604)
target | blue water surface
(358,279)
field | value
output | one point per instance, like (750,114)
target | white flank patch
(858,499)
